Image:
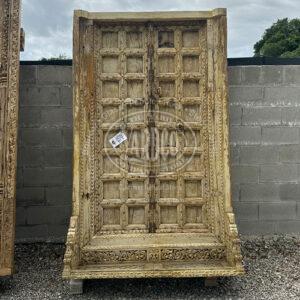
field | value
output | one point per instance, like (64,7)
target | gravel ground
(272,264)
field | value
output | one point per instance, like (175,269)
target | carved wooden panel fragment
(9,88)
(151,190)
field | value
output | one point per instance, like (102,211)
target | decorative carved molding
(9,89)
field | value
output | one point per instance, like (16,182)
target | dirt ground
(272,264)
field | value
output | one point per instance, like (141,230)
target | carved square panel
(165,39)
(134,39)
(135,89)
(136,189)
(168,189)
(107,135)
(135,113)
(111,215)
(193,214)
(110,39)
(191,88)
(168,214)
(110,64)
(167,138)
(136,164)
(191,112)
(136,138)
(167,88)
(134,64)
(110,89)
(136,215)
(111,189)
(192,138)
(166,64)
(167,113)
(168,161)
(110,113)
(190,63)
(190,39)
(111,164)
(193,163)
(193,189)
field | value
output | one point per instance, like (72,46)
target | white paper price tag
(118,139)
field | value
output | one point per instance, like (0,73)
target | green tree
(60,57)
(282,39)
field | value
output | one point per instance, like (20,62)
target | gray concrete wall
(265,150)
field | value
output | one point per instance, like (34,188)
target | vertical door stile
(151,128)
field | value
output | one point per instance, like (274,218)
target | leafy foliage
(60,57)
(282,39)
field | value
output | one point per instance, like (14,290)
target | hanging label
(118,139)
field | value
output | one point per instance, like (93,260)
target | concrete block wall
(265,150)
(265,147)
(44,178)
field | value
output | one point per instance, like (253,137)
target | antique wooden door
(148,145)
(9,85)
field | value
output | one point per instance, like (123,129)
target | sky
(48,23)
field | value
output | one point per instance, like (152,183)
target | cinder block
(282,96)
(289,227)
(76,286)
(272,75)
(20,216)
(68,137)
(290,191)
(57,233)
(291,75)
(67,176)
(235,192)
(31,233)
(28,74)
(259,154)
(280,135)
(256,227)
(29,117)
(244,95)
(30,157)
(235,114)
(291,116)
(251,75)
(27,196)
(58,157)
(243,135)
(41,137)
(43,177)
(234,155)
(234,75)
(54,74)
(56,117)
(246,211)
(277,211)
(261,116)
(244,174)
(59,195)
(66,96)
(262,192)
(278,173)
(58,215)
(39,96)
(290,153)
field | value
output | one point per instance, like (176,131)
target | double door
(150,87)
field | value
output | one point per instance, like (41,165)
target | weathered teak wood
(9,88)
(159,204)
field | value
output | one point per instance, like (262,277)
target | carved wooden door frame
(9,82)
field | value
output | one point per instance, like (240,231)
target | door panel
(122,197)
